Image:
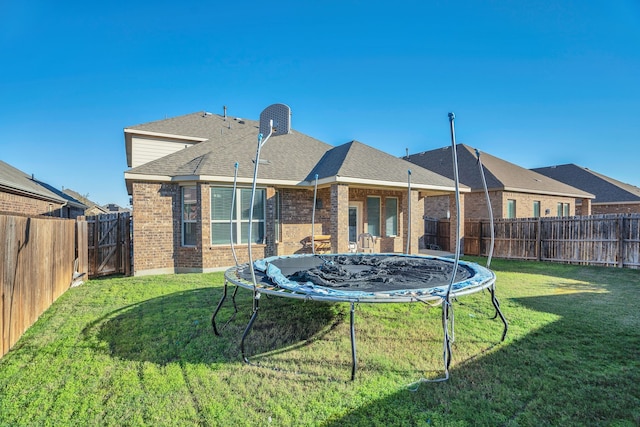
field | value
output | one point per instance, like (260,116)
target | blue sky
(536,83)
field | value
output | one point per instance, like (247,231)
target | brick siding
(475,205)
(157,233)
(15,203)
(615,208)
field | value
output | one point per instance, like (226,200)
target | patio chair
(366,243)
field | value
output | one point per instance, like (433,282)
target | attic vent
(281,116)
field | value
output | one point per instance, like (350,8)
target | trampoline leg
(496,304)
(215,313)
(447,352)
(249,325)
(353,343)
(233,298)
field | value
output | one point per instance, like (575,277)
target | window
(189,215)
(226,226)
(391,216)
(373,216)
(511,208)
(563,209)
(276,217)
(536,209)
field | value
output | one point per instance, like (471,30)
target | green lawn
(140,351)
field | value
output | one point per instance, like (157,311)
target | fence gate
(109,237)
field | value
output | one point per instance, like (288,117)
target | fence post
(480,240)
(127,245)
(82,246)
(620,238)
(539,240)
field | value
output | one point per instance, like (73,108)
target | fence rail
(37,265)
(607,240)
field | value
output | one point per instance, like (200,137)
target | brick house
(515,192)
(612,196)
(22,194)
(181,186)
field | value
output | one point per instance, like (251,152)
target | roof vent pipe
(224,107)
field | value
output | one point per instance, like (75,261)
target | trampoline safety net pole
(261,142)
(313,216)
(408,211)
(492,289)
(447,309)
(233,206)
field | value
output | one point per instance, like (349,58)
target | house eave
(395,184)
(547,193)
(628,202)
(129,131)
(428,189)
(34,195)
(129,178)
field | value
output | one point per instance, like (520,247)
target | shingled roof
(355,161)
(16,181)
(499,174)
(606,189)
(290,159)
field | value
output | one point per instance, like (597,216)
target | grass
(140,351)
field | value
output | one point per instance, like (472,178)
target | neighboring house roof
(114,207)
(71,201)
(16,181)
(290,159)
(499,174)
(607,190)
(89,204)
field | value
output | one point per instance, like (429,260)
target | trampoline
(361,278)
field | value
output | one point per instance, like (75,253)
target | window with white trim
(276,217)
(227,224)
(189,215)
(391,216)
(563,209)
(511,208)
(373,215)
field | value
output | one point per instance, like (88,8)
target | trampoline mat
(361,273)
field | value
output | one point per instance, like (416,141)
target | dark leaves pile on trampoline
(372,273)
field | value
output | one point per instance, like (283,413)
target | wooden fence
(436,234)
(607,240)
(39,257)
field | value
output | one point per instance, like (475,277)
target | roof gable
(357,161)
